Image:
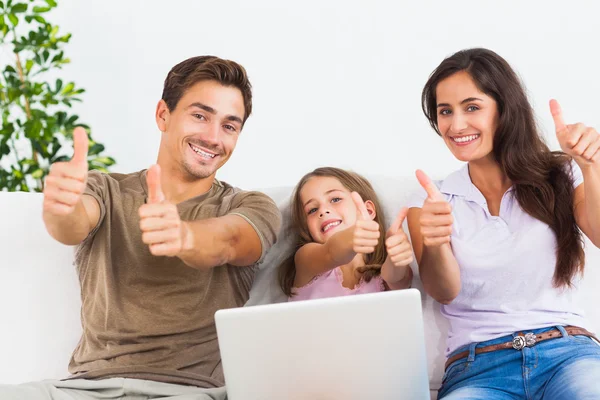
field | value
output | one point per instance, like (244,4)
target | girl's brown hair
(542,178)
(354,183)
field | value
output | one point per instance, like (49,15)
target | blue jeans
(565,368)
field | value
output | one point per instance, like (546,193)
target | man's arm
(230,239)
(217,241)
(72,228)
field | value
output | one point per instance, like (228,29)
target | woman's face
(467,118)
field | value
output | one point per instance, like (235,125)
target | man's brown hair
(206,68)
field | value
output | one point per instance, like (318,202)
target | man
(159,251)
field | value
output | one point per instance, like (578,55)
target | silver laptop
(368,346)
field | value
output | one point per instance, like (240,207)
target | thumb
(397,224)
(155,193)
(360,206)
(80,146)
(432,190)
(557,115)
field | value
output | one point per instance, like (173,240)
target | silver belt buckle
(519,342)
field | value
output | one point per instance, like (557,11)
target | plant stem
(27,107)
(14,148)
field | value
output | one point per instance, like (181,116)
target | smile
(329,225)
(465,139)
(201,152)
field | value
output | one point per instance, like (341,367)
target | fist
(66,181)
(396,243)
(436,215)
(161,226)
(577,140)
(366,231)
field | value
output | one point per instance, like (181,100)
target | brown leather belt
(520,341)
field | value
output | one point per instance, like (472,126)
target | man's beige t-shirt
(149,317)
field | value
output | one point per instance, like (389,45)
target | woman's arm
(583,144)
(430,229)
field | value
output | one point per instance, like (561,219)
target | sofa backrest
(41,301)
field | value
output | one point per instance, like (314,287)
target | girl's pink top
(329,284)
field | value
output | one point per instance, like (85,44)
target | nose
(211,134)
(323,212)
(459,123)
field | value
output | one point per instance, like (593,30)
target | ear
(162,115)
(371,209)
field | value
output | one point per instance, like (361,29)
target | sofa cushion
(39,294)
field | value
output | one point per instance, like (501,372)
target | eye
(336,199)
(472,108)
(312,210)
(199,116)
(445,111)
(230,128)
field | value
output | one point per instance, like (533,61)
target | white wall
(337,82)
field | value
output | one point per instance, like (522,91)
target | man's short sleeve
(97,187)
(261,212)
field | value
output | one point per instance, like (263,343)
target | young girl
(342,247)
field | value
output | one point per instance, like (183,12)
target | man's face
(200,134)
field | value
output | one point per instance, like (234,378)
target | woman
(499,242)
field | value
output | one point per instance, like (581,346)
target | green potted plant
(36,120)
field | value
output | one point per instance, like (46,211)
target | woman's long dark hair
(354,183)
(542,178)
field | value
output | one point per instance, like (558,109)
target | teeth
(202,153)
(464,139)
(331,225)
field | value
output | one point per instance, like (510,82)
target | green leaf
(13,19)
(59,84)
(104,160)
(28,65)
(64,38)
(95,149)
(18,8)
(39,19)
(38,9)
(1,4)
(51,3)
(68,88)
(37,174)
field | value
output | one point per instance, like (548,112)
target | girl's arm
(313,259)
(396,271)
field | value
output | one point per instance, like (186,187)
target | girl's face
(328,207)
(467,118)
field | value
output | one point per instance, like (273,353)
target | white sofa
(39,294)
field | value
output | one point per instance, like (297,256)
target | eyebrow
(327,192)
(467,100)
(208,109)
